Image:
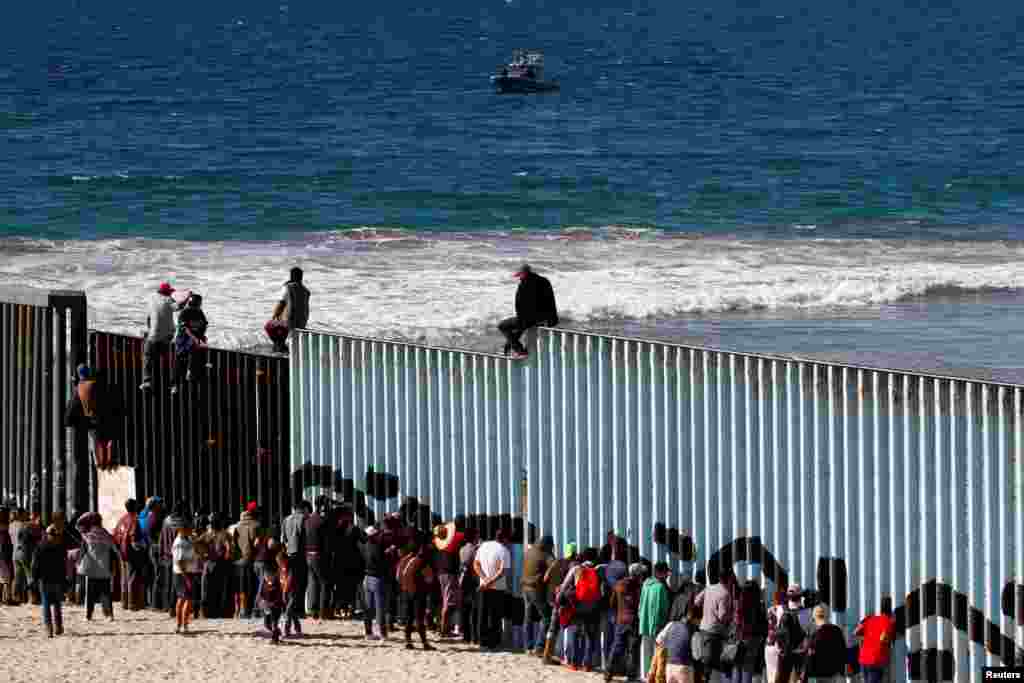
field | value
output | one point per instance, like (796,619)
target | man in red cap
(160,332)
(535,305)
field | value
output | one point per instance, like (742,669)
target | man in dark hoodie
(179,518)
(292,308)
(317,559)
(346,560)
(535,305)
(48,572)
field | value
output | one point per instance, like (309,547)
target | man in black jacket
(535,305)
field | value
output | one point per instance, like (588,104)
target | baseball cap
(523,270)
(165,288)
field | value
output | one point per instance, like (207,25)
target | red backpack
(588,585)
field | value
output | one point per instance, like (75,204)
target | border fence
(42,466)
(858,483)
(221,441)
(855,482)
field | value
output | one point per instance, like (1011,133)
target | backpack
(789,634)
(588,585)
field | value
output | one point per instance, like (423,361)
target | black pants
(300,574)
(318,588)
(98,590)
(151,350)
(217,589)
(415,611)
(468,614)
(492,610)
(346,583)
(189,362)
(513,328)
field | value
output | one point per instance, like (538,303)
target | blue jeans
(624,641)
(583,638)
(376,590)
(539,602)
(873,674)
(52,596)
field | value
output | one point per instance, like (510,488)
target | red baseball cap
(165,288)
(251,507)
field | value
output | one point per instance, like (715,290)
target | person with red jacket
(876,632)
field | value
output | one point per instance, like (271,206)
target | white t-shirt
(492,556)
(183,555)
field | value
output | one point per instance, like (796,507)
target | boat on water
(525,73)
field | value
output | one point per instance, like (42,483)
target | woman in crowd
(97,557)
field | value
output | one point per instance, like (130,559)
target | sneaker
(427,647)
(188,376)
(145,386)
(373,636)
(519,355)
(174,390)
(410,646)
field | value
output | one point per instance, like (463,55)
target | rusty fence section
(222,440)
(43,466)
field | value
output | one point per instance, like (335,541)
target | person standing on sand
(96,562)
(292,309)
(160,331)
(48,571)
(184,573)
(416,579)
(535,305)
(292,594)
(493,564)
(272,603)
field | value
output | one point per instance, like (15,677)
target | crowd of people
(589,610)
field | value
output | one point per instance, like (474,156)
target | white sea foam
(440,289)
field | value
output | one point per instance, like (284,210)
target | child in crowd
(271,601)
(184,560)
(292,598)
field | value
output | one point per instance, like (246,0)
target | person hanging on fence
(290,313)
(160,330)
(91,408)
(535,305)
(190,342)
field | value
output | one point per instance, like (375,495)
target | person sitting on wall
(535,305)
(91,408)
(290,313)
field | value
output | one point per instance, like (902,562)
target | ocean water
(830,179)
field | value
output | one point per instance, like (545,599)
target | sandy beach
(143,646)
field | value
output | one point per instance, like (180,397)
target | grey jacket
(161,318)
(96,557)
(293,533)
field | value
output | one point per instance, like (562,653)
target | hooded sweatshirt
(97,554)
(654,606)
(245,536)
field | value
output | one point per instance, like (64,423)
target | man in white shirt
(493,564)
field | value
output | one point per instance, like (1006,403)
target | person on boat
(535,305)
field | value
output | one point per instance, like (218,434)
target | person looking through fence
(160,331)
(291,312)
(535,305)
(876,633)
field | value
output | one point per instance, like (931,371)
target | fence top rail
(793,358)
(401,342)
(242,352)
(30,296)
